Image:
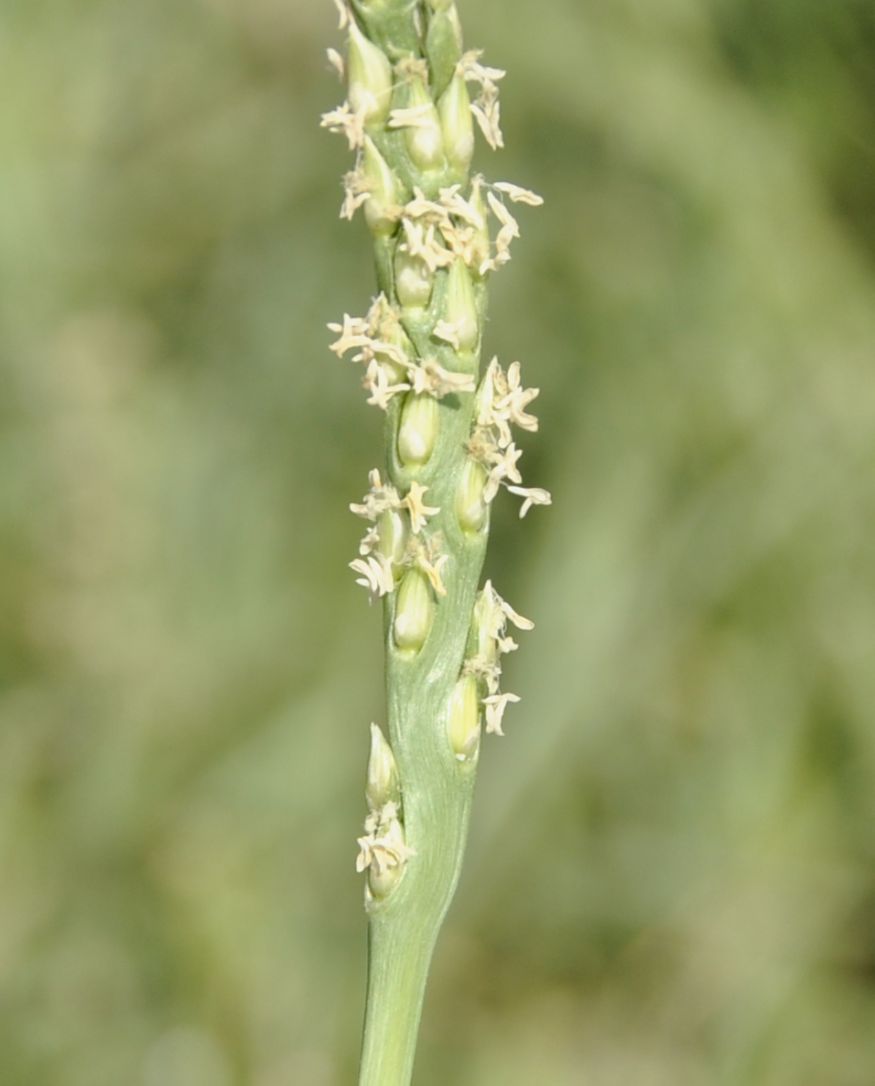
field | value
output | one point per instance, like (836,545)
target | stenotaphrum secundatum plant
(414,97)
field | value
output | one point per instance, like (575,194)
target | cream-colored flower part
(501,401)
(421,207)
(379,499)
(465,229)
(375,574)
(377,382)
(422,239)
(356,193)
(383,845)
(510,228)
(496,612)
(473,70)
(352,333)
(438,230)
(348,123)
(495,706)
(410,68)
(421,116)
(511,399)
(492,615)
(432,378)
(502,612)
(447,332)
(336,62)
(501,464)
(430,558)
(375,348)
(487,671)
(343,14)
(485,107)
(370,541)
(416,507)
(532,495)
(427,242)
(384,361)
(454,203)
(427,554)
(518,194)
(385,326)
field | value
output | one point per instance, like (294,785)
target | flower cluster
(383,849)
(501,401)
(396,539)
(391,369)
(485,108)
(452,224)
(491,641)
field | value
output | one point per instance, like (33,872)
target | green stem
(399,960)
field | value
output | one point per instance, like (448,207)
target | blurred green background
(670,878)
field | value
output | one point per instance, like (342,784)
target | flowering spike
(414,106)
(413,612)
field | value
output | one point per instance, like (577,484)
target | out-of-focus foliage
(670,879)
